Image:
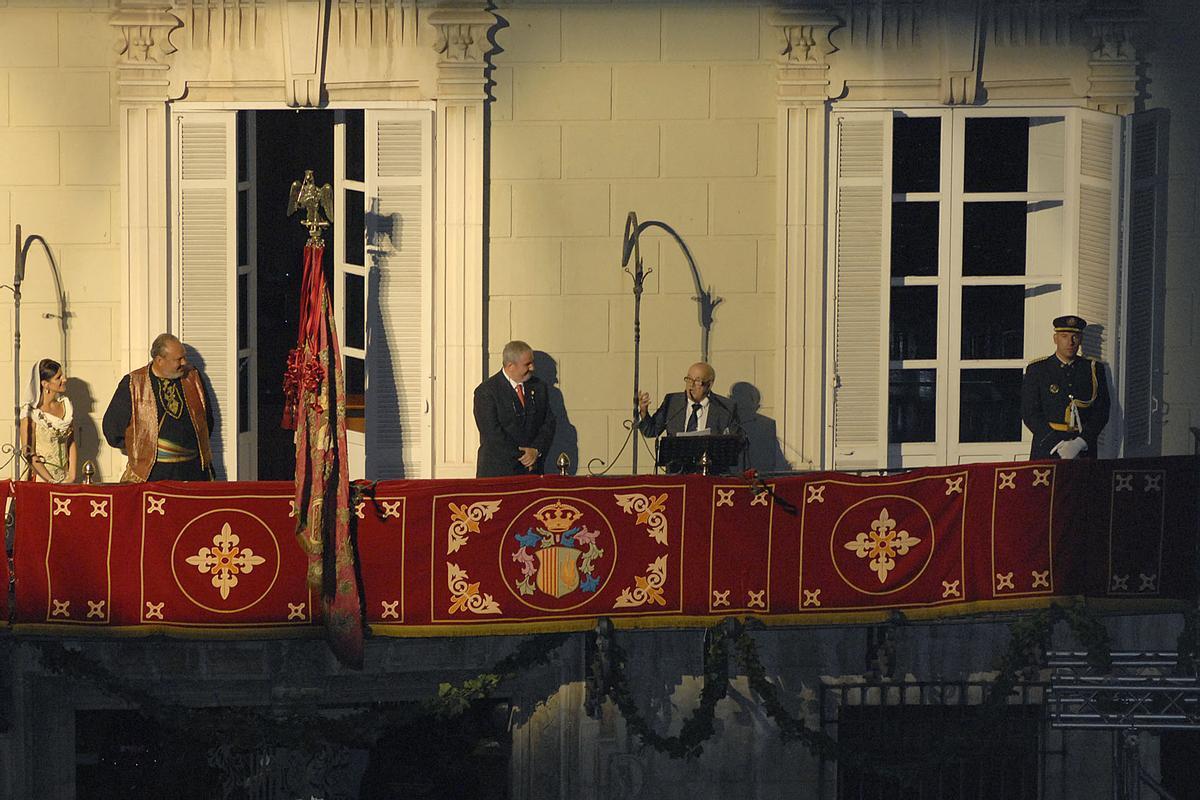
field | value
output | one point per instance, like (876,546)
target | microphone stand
(704,298)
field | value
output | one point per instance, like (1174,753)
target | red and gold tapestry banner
(515,555)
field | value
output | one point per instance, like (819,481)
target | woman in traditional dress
(48,425)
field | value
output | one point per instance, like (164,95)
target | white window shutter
(399,223)
(859,300)
(1145,243)
(1097,246)
(205,251)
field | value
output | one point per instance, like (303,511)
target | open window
(379,266)
(957,236)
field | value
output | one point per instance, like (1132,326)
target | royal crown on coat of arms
(558,516)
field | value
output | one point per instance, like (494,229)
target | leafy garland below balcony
(310,728)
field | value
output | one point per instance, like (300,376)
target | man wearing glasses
(694,410)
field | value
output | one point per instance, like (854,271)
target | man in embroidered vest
(161,417)
(1064,397)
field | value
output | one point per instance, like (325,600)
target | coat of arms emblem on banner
(560,553)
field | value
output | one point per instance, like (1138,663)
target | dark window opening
(912,405)
(914,239)
(913,331)
(990,405)
(993,322)
(916,154)
(997,154)
(994,238)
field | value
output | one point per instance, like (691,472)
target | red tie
(521,393)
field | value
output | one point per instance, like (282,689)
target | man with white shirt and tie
(512,412)
(696,409)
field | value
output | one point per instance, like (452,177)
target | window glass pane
(356,406)
(916,153)
(354,145)
(994,238)
(993,322)
(997,154)
(355,332)
(914,239)
(355,231)
(990,405)
(243,313)
(242,233)
(914,322)
(243,394)
(912,405)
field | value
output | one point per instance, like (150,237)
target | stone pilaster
(1112,66)
(458,282)
(803,85)
(143,46)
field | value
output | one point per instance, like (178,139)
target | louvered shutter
(1146,229)
(205,250)
(1097,247)
(399,193)
(858,276)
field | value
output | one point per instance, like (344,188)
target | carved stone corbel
(1112,66)
(804,50)
(304,44)
(144,29)
(462,45)
(960,40)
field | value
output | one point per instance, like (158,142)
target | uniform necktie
(521,393)
(694,419)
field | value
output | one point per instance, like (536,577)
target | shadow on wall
(222,451)
(566,437)
(762,450)
(87,434)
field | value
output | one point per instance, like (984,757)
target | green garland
(1025,654)
(307,727)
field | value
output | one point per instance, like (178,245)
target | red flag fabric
(315,396)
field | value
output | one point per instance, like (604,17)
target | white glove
(1069,449)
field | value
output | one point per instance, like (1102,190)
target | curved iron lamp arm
(22,255)
(631,248)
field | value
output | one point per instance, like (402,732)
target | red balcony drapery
(518,555)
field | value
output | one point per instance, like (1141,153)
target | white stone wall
(59,177)
(667,111)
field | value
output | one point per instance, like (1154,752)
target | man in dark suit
(1064,397)
(512,412)
(696,409)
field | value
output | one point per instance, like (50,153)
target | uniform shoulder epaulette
(1039,360)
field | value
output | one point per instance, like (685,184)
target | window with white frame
(957,235)
(381,275)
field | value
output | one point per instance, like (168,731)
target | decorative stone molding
(304,43)
(883,24)
(222,23)
(364,23)
(804,49)
(1112,77)
(462,45)
(144,28)
(960,31)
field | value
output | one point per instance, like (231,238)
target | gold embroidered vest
(141,437)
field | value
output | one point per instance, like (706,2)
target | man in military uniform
(1064,397)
